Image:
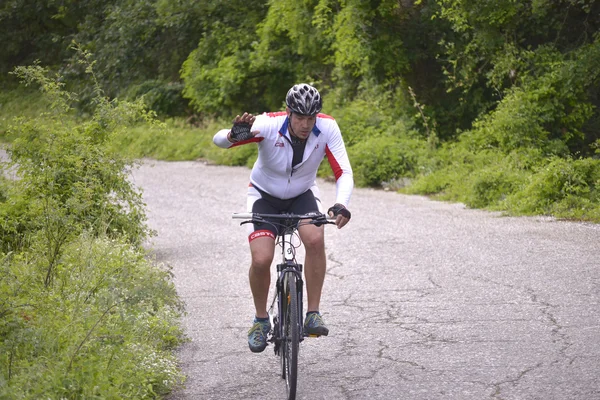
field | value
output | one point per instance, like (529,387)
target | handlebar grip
(242,215)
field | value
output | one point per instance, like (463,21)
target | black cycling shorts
(267,204)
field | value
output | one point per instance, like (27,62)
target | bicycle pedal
(313,335)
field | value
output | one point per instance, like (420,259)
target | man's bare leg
(315,263)
(262,250)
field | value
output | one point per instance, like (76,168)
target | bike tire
(291,334)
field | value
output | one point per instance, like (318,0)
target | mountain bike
(288,327)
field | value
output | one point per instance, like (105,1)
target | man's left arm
(342,170)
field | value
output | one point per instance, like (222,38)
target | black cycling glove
(240,132)
(339,209)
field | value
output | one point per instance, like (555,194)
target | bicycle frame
(289,265)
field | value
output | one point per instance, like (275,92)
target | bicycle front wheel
(291,335)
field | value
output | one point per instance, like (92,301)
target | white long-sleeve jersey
(273,172)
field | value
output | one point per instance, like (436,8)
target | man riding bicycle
(291,146)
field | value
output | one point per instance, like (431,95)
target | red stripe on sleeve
(335,165)
(253,140)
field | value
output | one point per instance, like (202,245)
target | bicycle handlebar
(296,217)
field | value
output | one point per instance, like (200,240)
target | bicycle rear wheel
(291,335)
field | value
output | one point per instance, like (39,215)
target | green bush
(4,185)
(104,329)
(17,218)
(489,187)
(164,98)
(70,175)
(445,167)
(548,110)
(356,124)
(84,313)
(386,158)
(481,179)
(564,188)
(521,183)
(172,141)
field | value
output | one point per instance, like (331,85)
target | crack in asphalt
(347,382)
(558,336)
(434,283)
(331,269)
(345,392)
(381,355)
(497,386)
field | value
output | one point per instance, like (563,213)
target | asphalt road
(424,300)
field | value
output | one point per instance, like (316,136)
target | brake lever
(254,220)
(322,221)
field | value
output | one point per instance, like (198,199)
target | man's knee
(261,261)
(262,253)
(314,240)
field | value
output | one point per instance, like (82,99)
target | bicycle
(288,327)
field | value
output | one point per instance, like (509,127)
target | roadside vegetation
(492,104)
(84,311)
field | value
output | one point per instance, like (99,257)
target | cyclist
(291,146)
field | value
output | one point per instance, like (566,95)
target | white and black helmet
(304,99)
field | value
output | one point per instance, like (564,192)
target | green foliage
(564,188)
(69,173)
(492,47)
(381,141)
(548,87)
(488,186)
(444,177)
(84,313)
(178,140)
(103,330)
(478,179)
(367,115)
(217,75)
(548,111)
(495,89)
(356,125)
(140,43)
(21,101)
(249,59)
(37,30)
(294,42)
(385,158)
(522,182)
(164,98)
(133,41)
(369,44)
